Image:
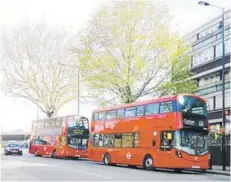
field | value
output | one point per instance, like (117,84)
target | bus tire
(178,170)
(132,166)
(53,155)
(36,154)
(107,159)
(148,163)
(203,170)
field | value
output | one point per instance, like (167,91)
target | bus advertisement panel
(60,137)
(169,132)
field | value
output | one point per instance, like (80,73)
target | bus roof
(137,103)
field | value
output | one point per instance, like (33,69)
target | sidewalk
(218,170)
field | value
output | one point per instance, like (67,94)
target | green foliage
(127,52)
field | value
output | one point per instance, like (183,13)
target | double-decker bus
(60,137)
(169,132)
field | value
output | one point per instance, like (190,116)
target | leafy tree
(31,65)
(127,52)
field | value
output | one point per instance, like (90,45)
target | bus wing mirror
(169,136)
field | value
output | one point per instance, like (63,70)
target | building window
(207,81)
(227,75)
(210,104)
(227,32)
(227,100)
(212,79)
(227,46)
(218,50)
(201,82)
(218,102)
(217,77)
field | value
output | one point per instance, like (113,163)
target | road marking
(94,174)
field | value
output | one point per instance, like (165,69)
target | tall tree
(36,63)
(128,52)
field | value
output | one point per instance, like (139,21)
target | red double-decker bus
(169,132)
(60,137)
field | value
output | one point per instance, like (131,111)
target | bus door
(164,154)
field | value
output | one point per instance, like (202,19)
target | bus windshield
(192,105)
(78,132)
(191,142)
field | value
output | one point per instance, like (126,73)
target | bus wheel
(53,155)
(148,163)
(107,159)
(177,170)
(36,152)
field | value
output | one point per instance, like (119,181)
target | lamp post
(78,95)
(223,80)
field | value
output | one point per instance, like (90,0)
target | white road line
(94,174)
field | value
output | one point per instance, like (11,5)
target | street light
(223,80)
(78,96)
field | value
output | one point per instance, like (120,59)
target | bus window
(111,115)
(108,140)
(120,113)
(129,112)
(98,140)
(136,139)
(166,141)
(152,109)
(166,107)
(102,116)
(127,140)
(95,117)
(140,111)
(118,140)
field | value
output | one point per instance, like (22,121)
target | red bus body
(60,137)
(160,133)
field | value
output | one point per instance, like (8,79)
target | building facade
(206,64)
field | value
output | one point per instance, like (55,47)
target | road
(30,168)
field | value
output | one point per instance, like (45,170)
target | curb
(219,173)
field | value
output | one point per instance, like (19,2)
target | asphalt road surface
(30,168)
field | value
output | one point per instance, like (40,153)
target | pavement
(31,168)
(219,170)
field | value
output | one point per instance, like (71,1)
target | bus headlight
(178,153)
(209,156)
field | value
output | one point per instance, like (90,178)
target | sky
(17,113)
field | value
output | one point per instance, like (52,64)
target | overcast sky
(18,113)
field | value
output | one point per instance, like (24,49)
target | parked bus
(60,137)
(169,132)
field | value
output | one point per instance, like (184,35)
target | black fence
(215,148)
